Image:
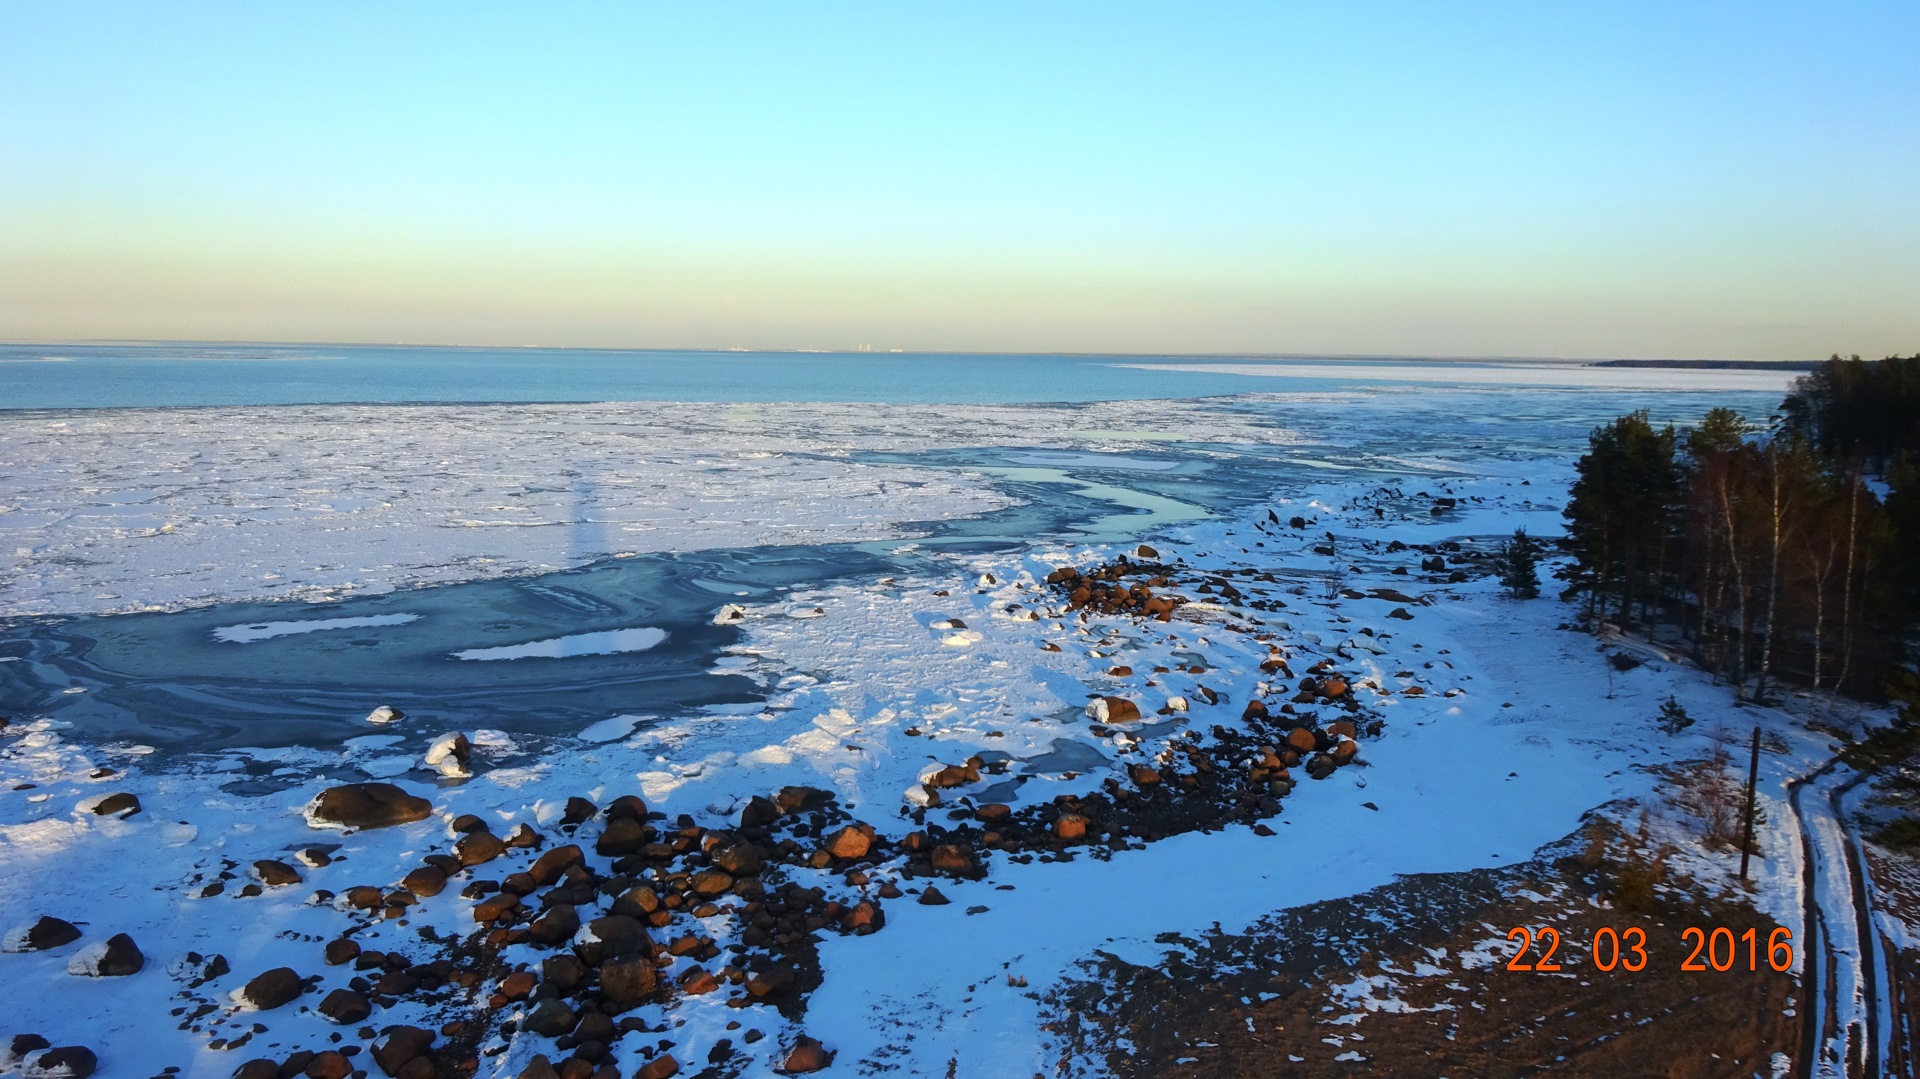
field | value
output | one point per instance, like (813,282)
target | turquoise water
(136,375)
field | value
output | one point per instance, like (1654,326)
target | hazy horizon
(1726,182)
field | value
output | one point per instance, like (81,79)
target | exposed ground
(1411,980)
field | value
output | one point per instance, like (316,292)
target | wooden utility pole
(1746,823)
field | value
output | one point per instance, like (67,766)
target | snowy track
(1847,1025)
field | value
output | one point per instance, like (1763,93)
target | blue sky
(1724,180)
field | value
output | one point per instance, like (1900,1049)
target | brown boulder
(344,1006)
(547,868)
(1301,739)
(366,805)
(329,1064)
(952,858)
(399,1046)
(660,1067)
(478,848)
(806,1057)
(555,927)
(627,981)
(1071,827)
(623,835)
(273,989)
(850,842)
(424,881)
(710,882)
(275,874)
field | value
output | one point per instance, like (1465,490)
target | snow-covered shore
(1501,731)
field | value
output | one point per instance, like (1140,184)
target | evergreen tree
(1519,564)
(1673,716)
(1621,515)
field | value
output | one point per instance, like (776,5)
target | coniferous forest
(1783,549)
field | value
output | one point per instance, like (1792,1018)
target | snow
(1503,729)
(300,503)
(262,631)
(599,643)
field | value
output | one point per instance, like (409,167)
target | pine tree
(1520,566)
(1673,716)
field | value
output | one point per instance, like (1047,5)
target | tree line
(1783,551)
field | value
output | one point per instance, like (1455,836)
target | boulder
(547,868)
(400,1045)
(952,858)
(342,950)
(739,859)
(49,932)
(550,1018)
(478,848)
(329,1064)
(346,1007)
(119,804)
(660,1067)
(555,927)
(775,980)
(637,902)
(366,805)
(806,1056)
(539,1068)
(1070,828)
(933,897)
(449,754)
(627,981)
(621,935)
(65,1062)
(258,1068)
(1302,739)
(850,842)
(116,958)
(386,713)
(578,811)
(270,989)
(424,881)
(1112,710)
(1320,766)
(710,882)
(623,835)
(275,874)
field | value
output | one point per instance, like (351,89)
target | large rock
(400,1045)
(660,1067)
(555,927)
(118,957)
(120,804)
(366,805)
(627,981)
(66,1062)
(271,989)
(619,935)
(275,874)
(1113,710)
(478,848)
(806,1057)
(547,868)
(850,842)
(344,1006)
(48,932)
(550,1018)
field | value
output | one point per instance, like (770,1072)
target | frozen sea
(255,559)
(701,577)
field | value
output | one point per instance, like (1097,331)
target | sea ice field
(831,651)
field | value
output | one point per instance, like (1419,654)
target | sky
(1619,179)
